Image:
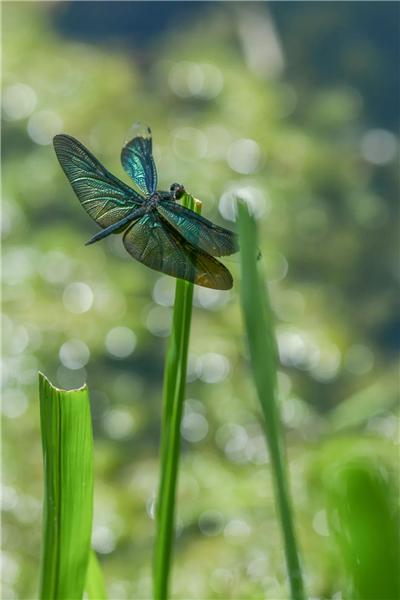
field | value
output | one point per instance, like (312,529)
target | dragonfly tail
(117,227)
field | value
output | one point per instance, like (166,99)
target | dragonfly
(157,230)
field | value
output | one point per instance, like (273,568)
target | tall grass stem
(258,320)
(173,397)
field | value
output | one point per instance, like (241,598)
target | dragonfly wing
(104,197)
(137,160)
(197,230)
(158,246)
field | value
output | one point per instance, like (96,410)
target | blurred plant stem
(173,396)
(67,442)
(263,357)
(361,494)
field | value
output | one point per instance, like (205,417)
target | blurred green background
(295,107)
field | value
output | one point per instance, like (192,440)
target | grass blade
(173,396)
(263,357)
(67,442)
(94,587)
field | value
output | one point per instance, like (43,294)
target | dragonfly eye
(177,190)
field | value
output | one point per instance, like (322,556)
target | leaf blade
(67,442)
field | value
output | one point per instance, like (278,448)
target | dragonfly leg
(116,227)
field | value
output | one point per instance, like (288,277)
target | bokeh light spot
(78,297)
(164,291)
(9,568)
(43,126)
(159,321)
(213,367)
(327,366)
(103,539)
(244,156)
(118,423)
(320,523)
(277,266)
(74,354)
(297,349)
(120,342)
(194,427)
(27,509)
(9,497)
(19,340)
(257,566)
(256,199)
(386,425)
(210,299)
(19,101)
(233,439)
(14,403)
(255,450)
(18,264)
(378,146)
(237,528)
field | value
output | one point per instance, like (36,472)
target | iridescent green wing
(158,246)
(137,160)
(197,230)
(104,197)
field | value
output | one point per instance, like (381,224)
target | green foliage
(367,532)
(68,495)
(328,234)
(360,488)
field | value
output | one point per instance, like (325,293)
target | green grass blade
(173,396)
(95,587)
(67,442)
(263,357)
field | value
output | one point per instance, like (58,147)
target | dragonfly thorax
(176,192)
(159,196)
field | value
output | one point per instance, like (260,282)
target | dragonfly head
(177,190)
